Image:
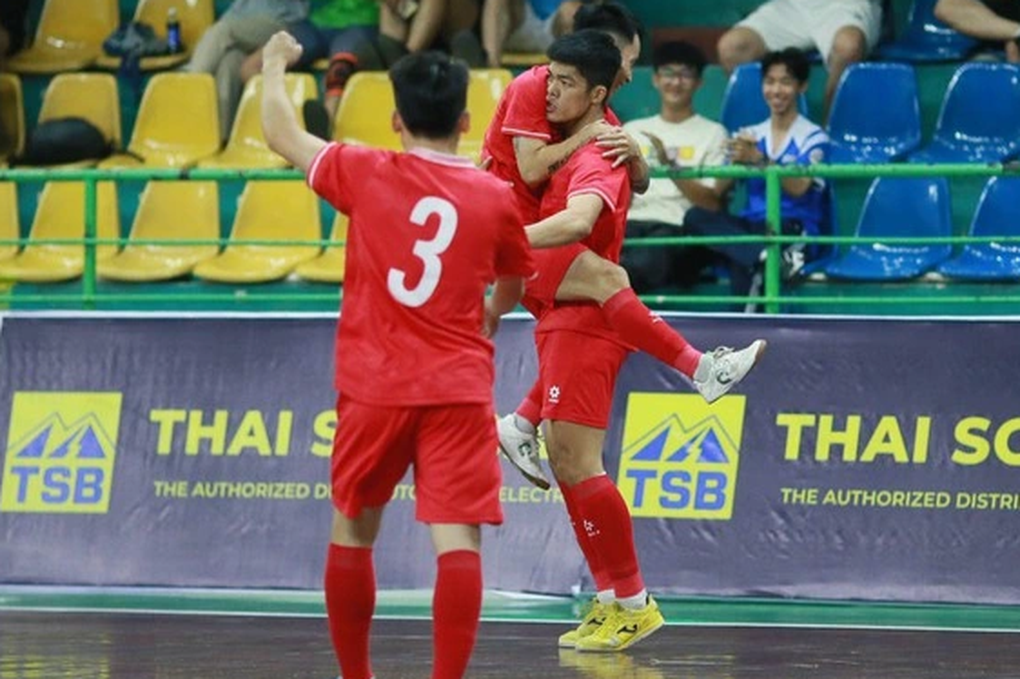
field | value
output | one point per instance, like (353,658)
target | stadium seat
(331,265)
(195,16)
(177,123)
(12,116)
(364,115)
(61,214)
(169,211)
(966,132)
(523,59)
(898,208)
(927,39)
(484,91)
(10,225)
(69,36)
(247,147)
(996,215)
(92,96)
(876,114)
(743,103)
(268,210)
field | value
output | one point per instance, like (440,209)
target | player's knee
(612,278)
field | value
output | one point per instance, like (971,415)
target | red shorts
(457,476)
(551,265)
(578,374)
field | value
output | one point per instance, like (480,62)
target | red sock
(598,571)
(531,407)
(601,507)
(456,608)
(350,602)
(640,327)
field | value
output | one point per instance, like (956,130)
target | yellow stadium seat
(365,112)
(12,115)
(9,223)
(168,211)
(246,147)
(177,124)
(61,214)
(268,210)
(69,37)
(524,59)
(331,265)
(484,91)
(195,16)
(92,96)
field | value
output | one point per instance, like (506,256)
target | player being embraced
(414,363)
(525,148)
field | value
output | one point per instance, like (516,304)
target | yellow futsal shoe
(623,629)
(592,621)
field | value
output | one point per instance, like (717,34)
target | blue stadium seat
(743,103)
(979,121)
(898,208)
(876,116)
(996,215)
(927,39)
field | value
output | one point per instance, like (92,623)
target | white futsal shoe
(521,449)
(723,368)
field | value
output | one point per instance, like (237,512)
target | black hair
(609,17)
(431,93)
(593,53)
(679,52)
(791,57)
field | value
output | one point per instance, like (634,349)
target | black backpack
(64,140)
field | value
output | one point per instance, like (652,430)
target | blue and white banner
(864,459)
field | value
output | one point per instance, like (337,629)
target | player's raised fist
(282,47)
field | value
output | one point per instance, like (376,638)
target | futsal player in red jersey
(584,209)
(525,149)
(428,233)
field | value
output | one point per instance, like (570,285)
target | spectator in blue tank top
(785,138)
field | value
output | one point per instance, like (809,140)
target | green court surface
(514,607)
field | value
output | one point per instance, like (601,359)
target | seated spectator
(992,20)
(528,26)
(333,30)
(407,26)
(843,31)
(242,30)
(675,138)
(786,137)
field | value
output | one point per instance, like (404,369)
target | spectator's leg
(844,33)
(343,47)
(848,46)
(775,25)
(740,45)
(313,44)
(648,266)
(499,20)
(563,20)
(244,36)
(742,257)
(214,44)
(426,25)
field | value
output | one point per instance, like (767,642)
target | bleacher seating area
(918,100)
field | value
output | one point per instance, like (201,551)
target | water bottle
(173,31)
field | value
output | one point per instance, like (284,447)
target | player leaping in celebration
(428,233)
(525,149)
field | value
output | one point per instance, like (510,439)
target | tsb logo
(680,455)
(60,452)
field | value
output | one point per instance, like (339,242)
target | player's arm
(569,225)
(537,159)
(279,122)
(506,293)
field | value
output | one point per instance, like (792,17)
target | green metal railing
(773,240)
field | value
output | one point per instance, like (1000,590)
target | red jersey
(521,113)
(587,172)
(428,233)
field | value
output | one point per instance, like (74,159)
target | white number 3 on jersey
(427,251)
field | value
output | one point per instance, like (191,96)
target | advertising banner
(863,459)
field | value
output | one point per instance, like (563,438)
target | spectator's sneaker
(522,450)
(623,628)
(724,368)
(592,621)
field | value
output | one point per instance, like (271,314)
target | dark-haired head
(679,53)
(797,65)
(618,22)
(430,89)
(583,66)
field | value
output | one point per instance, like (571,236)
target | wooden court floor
(112,645)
